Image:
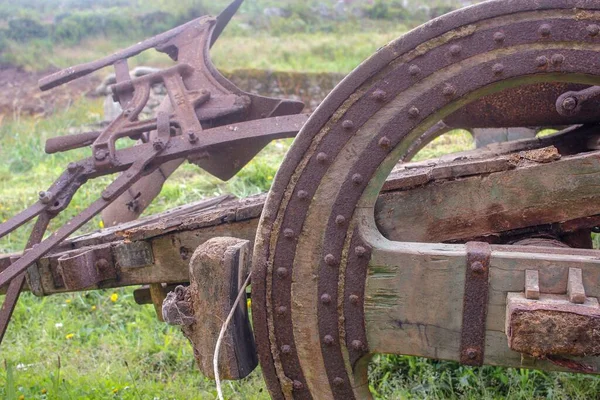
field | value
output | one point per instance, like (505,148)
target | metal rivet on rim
(286,349)
(321,157)
(357,345)
(455,49)
(328,339)
(360,251)
(340,220)
(414,112)
(471,353)
(557,59)
(449,90)
(357,179)
(325,298)
(282,272)
(545,30)
(330,260)
(414,70)
(302,194)
(541,61)
(379,95)
(347,124)
(384,142)
(499,37)
(298,385)
(477,267)
(337,381)
(498,69)
(288,233)
(281,310)
(593,30)
(353,299)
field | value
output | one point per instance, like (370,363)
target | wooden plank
(414,296)
(530,195)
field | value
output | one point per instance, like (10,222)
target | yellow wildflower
(93,308)
(70,336)
(68,301)
(44,391)
(249,303)
(114,297)
(22,397)
(115,390)
(101,224)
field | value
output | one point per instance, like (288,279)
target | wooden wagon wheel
(322,272)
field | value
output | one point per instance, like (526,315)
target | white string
(222,333)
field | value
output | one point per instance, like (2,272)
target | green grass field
(101,345)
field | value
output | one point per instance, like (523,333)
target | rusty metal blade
(224,18)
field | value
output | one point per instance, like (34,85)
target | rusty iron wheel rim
(342,157)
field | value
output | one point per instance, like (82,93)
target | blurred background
(101,345)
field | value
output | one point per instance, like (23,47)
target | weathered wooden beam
(414,296)
(532,193)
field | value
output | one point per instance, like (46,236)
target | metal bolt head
(298,385)
(497,69)
(281,310)
(569,103)
(472,353)
(477,267)
(325,298)
(100,154)
(499,37)
(330,260)
(385,142)
(360,251)
(72,167)
(158,145)
(353,299)
(282,272)
(357,179)
(328,339)
(541,61)
(45,197)
(288,233)
(357,345)
(545,30)
(286,349)
(593,29)
(302,194)
(337,381)
(414,112)
(101,264)
(557,59)
(321,157)
(192,137)
(340,220)
(379,95)
(414,70)
(455,49)
(449,91)
(347,124)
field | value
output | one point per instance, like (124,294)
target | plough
(482,257)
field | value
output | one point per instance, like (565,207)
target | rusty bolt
(455,49)
(321,157)
(498,69)
(330,260)
(545,30)
(541,61)
(357,179)
(288,233)
(302,194)
(471,353)
(360,251)
(340,220)
(72,167)
(569,103)
(449,91)
(192,137)
(298,385)
(100,154)
(337,381)
(325,298)
(281,310)
(282,272)
(353,299)
(328,340)
(379,95)
(286,349)
(499,37)
(557,59)
(101,264)
(127,112)
(158,145)
(356,345)
(477,267)
(414,112)
(45,197)
(414,70)
(384,142)
(593,29)
(347,124)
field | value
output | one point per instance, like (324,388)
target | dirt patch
(22,96)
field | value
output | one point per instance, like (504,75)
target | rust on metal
(475,303)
